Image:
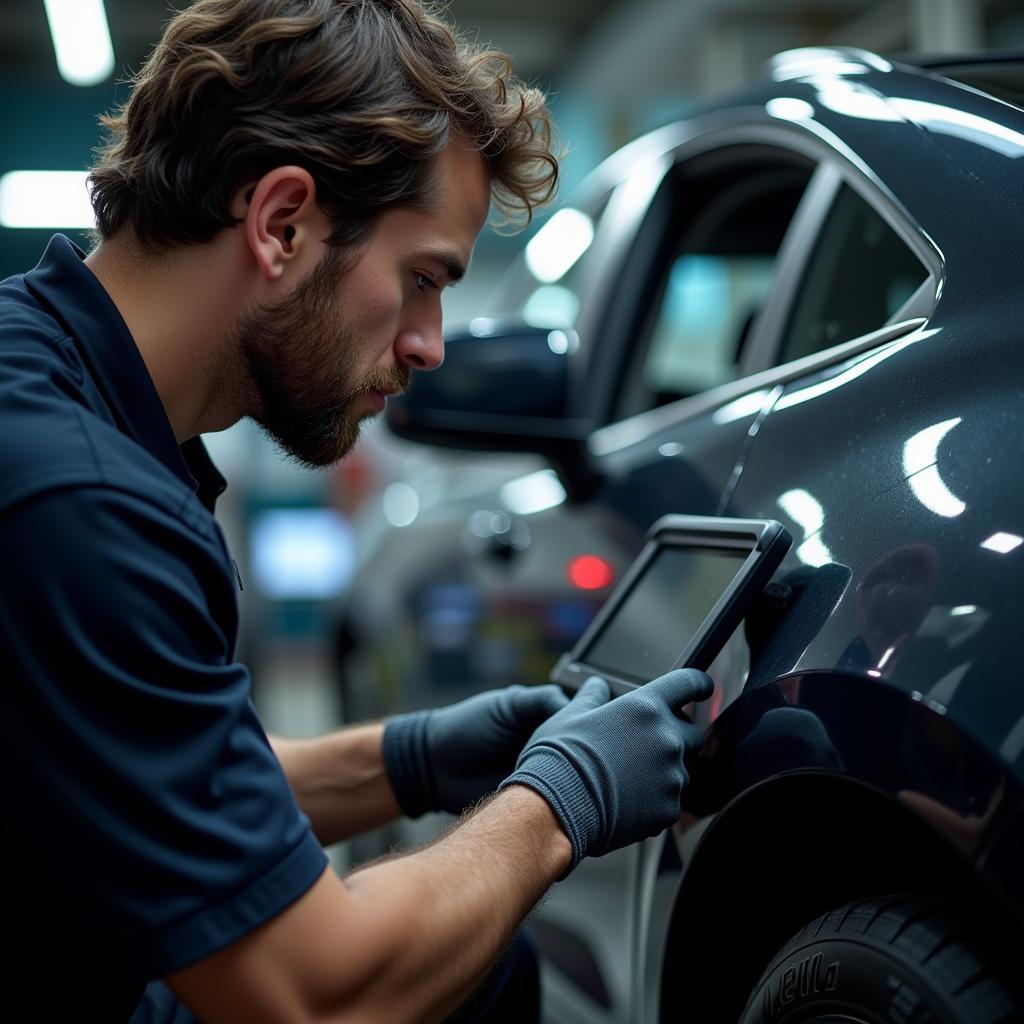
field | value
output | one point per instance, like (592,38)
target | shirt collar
(63,281)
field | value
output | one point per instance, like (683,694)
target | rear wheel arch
(782,854)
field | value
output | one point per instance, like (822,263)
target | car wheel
(895,960)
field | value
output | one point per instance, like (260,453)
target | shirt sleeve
(145,792)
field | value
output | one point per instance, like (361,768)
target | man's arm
(446,759)
(339,781)
(405,939)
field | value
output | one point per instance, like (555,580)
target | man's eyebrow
(453,266)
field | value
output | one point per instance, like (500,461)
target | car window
(705,314)
(714,273)
(858,276)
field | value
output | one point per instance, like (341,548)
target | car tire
(895,960)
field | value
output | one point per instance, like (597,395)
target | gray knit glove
(612,770)
(449,758)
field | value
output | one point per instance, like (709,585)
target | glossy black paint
(840,786)
(817,722)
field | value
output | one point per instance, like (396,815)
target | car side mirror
(503,388)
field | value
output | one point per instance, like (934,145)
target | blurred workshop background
(614,69)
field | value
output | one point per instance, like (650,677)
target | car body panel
(949,615)
(793,747)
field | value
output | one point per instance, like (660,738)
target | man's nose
(420,347)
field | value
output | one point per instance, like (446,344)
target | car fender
(799,805)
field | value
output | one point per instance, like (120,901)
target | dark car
(804,305)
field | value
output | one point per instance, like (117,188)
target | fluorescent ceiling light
(81,40)
(45,199)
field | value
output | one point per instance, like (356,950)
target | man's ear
(280,214)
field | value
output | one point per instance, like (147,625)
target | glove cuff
(549,773)
(407,764)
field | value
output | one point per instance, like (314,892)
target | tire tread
(930,935)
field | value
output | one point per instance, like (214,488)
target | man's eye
(423,282)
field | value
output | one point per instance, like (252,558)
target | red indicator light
(589,572)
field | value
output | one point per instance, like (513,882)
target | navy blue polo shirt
(146,822)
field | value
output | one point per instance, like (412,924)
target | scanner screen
(663,611)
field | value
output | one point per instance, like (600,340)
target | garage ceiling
(544,36)
(541,34)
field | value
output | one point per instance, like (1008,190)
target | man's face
(323,358)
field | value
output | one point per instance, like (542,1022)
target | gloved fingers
(592,694)
(693,736)
(534,704)
(680,687)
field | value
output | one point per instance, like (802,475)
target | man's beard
(302,356)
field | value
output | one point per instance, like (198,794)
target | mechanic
(279,204)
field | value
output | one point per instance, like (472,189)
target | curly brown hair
(362,93)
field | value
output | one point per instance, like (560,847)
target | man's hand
(612,770)
(449,758)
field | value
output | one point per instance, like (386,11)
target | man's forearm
(462,898)
(339,780)
(404,940)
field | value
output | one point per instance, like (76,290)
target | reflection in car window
(859,275)
(708,305)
